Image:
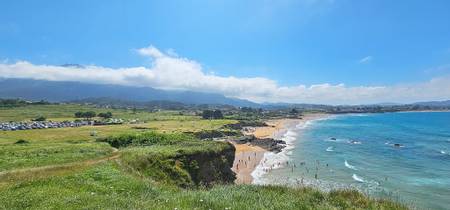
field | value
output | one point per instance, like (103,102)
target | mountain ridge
(58,91)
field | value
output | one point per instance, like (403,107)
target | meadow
(154,165)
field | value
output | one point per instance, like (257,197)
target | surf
(357,178)
(350,166)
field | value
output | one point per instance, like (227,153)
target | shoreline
(248,157)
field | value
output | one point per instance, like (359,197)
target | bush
(105,115)
(39,119)
(87,115)
(210,114)
(146,139)
(21,141)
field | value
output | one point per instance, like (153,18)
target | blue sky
(372,43)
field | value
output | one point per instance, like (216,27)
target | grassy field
(68,168)
(64,145)
(107,186)
(67,111)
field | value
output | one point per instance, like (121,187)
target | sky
(296,51)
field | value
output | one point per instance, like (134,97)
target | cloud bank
(172,72)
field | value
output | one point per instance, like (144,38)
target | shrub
(39,119)
(21,141)
(105,115)
(146,139)
(210,114)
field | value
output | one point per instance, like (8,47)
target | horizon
(309,51)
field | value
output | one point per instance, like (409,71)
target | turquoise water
(358,151)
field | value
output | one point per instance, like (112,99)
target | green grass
(84,133)
(66,112)
(17,156)
(107,186)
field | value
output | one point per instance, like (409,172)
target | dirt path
(52,170)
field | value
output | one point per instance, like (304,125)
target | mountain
(434,103)
(70,91)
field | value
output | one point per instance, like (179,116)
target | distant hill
(434,103)
(70,91)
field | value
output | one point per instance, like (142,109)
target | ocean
(402,156)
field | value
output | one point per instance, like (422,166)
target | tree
(217,114)
(79,114)
(207,114)
(88,115)
(105,115)
(294,111)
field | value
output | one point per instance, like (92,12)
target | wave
(350,166)
(354,142)
(357,178)
(337,140)
(359,115)
(330,149)
(272,160)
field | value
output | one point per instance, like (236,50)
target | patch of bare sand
(246,159)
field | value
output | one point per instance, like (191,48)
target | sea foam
(273,160)
(350,166)
(357,178)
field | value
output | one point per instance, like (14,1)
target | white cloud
(171,72)
(366,59)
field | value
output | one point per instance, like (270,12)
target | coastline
(248,157)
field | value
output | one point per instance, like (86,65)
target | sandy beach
(247,156)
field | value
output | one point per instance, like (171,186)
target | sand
(245,161)
(247,156)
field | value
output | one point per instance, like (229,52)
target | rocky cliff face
(183,166)
(207,168)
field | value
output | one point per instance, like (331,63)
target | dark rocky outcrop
(269,144)
(246,123)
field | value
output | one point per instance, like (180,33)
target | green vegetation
(146,139)
(39,119)
(21,155)
(108,186)
(105,115)
(212,114)
(61,112)
(9,103)
(159,164)
(86,115)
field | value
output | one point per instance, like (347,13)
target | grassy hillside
(107,186)
(152,165)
